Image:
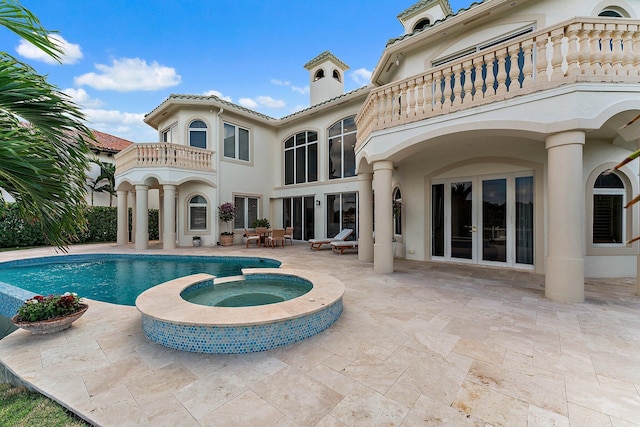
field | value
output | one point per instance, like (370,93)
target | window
(236,142)
(301,158)
(169,134)
(319,75)
(421,24)
(608,209)
(342,212)
(336,75)
(342,143)
(397,217)
(197,213)
(198,134)
(246,211)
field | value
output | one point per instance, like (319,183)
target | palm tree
(105,182)
(43,165)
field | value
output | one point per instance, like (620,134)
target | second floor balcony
(164,155)
(598,50)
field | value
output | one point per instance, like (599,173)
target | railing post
(541,58)
(573,67)
(585,49)
(556,57)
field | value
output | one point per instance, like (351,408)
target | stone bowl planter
(51,326)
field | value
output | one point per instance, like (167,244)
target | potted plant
(197,241)
(261,222)
(226,213)
(49,314)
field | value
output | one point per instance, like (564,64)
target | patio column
(564,278)
(169,217)
(383,246)
(142,217)
(123,218)
(365,220)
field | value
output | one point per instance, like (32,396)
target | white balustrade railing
(163,155)
(582,49)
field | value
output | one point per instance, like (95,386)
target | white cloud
(121,124)
(248,103)
(218,94)
(300,90)
(269,102)
(130,74)
(82,98)
(361,76)
(71,51)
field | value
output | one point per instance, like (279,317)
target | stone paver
(430,344)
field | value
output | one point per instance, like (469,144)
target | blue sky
(124,57)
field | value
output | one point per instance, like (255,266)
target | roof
(326,55)
(420,5)
(109,143)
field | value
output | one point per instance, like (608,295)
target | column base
(564,280)
(141,242)
(168,241)
(382,258)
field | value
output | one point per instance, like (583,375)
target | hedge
(102,226)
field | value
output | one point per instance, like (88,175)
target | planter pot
(226,240)
(197,242)
(50,326)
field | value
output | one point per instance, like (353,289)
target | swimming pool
(117,278)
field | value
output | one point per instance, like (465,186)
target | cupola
(326,77)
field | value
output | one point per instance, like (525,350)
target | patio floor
(431,344)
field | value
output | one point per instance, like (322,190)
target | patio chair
(263,233)
(338,247)
(288,235)
(251,237)
(341,236)
(277,235)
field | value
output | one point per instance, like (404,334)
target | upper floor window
(236,142)
(246,211)
(197,213)
(301,158)
(169,134)
(608,209)
(198,134)
(342,143)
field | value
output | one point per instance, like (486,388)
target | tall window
(342,143)
(342,212)
(236,142)
(169,134)
(301,158)
(198,134)
(397,211)
(608,210)
(246,211)
(197,213)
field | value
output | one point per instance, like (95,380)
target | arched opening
(336,75)
(425,22)
(319,75)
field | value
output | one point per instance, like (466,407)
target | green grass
(20,407)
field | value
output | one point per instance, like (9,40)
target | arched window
(397,211)
(336,75)
(198,134)
(319,75)
(301,158)
(342,143)
(614,12)
(608,209)
(197,213)
(425,22)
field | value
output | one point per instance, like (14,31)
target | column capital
(141,187)
(565,138)
(383,165)
(168,187)
(365,176)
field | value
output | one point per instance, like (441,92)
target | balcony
(164,155)
(580,50)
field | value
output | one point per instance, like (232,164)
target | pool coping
(164,302)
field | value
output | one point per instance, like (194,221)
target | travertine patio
(430,344)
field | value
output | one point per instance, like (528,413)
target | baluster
(446,90)
(556,57)
(585,45)
(627,52)
(375,101)
(596,49)
(402,102)
(541,58)
(456,80)
(514,71)
(411,105)
(501,74)
(420,97)
(467,88)
(387,106)
(616,59)
(607,53)
(429,93)
(476,82)
(490,80)
(636,53)
(573,67)
(527,66)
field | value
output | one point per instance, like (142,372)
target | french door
(298,212)
(483,220)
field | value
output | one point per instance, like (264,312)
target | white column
(142,217)
(133,204)
(365,217)
(123,218)
(383,247)
(169,217)
(564,279)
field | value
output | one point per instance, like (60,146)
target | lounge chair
(338,247)
(277,235)
(341,236)
(288,235)
(251,237)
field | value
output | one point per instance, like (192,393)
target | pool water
(249,292)
(115,278)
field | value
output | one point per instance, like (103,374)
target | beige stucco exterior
(557,116)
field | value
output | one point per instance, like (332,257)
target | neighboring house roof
(109,143)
